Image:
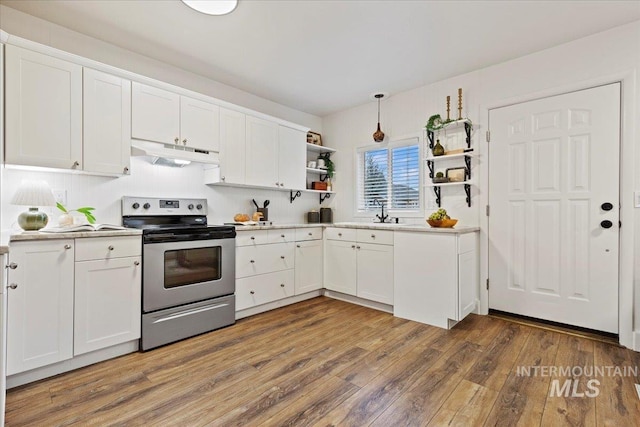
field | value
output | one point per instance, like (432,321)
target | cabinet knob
(277,184)
(282,285)
(12,266)
(176,140)
(184,141)
(373,236)
(110,247)
(67,246)
(223,178)
(252,292)
(136,262)
(297,246)
(282,184)
(76,164)
(339,234)
(253,238)
(126,169)
(353,246)
(357,247)
(12,286)
(252,261)
(310,234)
(282,235)
(281,256)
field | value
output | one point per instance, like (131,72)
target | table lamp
(33,193)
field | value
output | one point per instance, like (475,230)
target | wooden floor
(326,362)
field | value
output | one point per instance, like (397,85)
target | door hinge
(488,136)
(487,283)
(487,210)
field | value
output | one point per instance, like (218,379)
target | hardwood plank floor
(326,362)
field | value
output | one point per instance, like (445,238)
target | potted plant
(330,167)
(66,219)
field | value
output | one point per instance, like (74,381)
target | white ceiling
(328,55)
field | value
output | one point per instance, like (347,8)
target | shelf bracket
(323,177)
(324,196)
(436,190)
(467,189)
(293,196)
(467,162)
(430,138)
(467,130)
(430,166)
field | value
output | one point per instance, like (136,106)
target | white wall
(145,180)
(610,55)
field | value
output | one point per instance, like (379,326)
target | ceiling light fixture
(378,135)
(212,7)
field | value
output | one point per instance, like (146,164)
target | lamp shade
(33,193)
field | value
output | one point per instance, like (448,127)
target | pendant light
(378,135)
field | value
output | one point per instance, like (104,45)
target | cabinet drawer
(381,237)
(252,237)
(257,290)
(284,235)
(347,234)
(108,247)
(303,234)
(261,259)
(467,242)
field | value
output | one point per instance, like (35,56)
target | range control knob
(146,206)
(190,206)
(136,205)
(199,206)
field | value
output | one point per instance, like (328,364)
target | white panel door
(553,167)
(107,122)
(40,308)
(107,303)
(233,151)
(308,271)
(292,157)
(43,110)
(262,153)
(155,114)
(375,272)
(199,124)
(340,266)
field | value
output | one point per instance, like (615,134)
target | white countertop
(367,225)
(9,236)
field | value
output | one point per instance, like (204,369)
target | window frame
(403,141)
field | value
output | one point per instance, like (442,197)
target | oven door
(176,273)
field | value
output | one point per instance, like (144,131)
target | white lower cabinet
(40,304)
(107,303)
(308,269)
(261,289)
(53,316)
(435,277)
(360,267)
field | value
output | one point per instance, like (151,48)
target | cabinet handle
(281,256)
(12,266)
(110,247)
(297,246)
(252,261)
(252,292)
(136,262)
(176,140)
(12,286)
(184,141)
(67,246)
(282,285)
(75,164)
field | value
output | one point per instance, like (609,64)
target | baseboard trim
(276,304)
(359,301)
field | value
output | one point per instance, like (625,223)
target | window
(390,175)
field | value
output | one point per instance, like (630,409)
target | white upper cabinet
(199,124)
(292,155)
(155,114)
(107,123)
(232,147)
(262,153)
(169,118)
(43,110)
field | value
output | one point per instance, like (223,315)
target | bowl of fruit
(440,219)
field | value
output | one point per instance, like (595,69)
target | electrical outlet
(636,199)
(60,196)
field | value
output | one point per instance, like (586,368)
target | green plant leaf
(85,210)
(62,208)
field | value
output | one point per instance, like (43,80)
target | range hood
(172,154)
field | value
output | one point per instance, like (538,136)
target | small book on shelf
(82,227)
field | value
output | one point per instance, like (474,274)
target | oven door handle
(189,312)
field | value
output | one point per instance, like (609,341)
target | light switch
(636,199)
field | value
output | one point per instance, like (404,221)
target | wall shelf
(319,148)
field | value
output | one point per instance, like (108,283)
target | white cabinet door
(107,122)
(155,114)
(107,303)
(292,156)
(40,308)
(262,153)
(257,290)
(232,147)
(43,110)
(340,266)
(308,266)
(375,272)
(199,124)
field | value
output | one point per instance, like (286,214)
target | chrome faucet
(382,217)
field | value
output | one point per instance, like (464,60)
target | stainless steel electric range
(188,275)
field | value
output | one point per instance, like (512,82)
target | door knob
(606,206)
(606,224)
